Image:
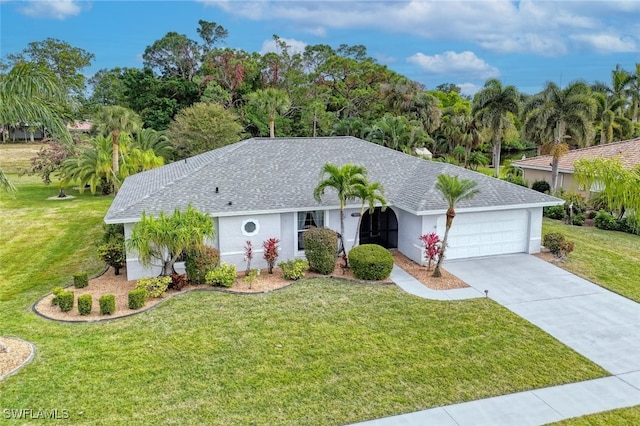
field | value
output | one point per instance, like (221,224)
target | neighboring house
(80,126)
(539,168)
(262,188)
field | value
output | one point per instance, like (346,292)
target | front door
(379,227)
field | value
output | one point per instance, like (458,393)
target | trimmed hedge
(80,280)
(370,262)
(65,300)
(56,292)
(199,260)
(293,269)
(541,186)
(85,303)
(321,249)
(137,298)
(107,304)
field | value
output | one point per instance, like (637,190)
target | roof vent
(217,190)
(230,203)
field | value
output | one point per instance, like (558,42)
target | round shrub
(578,219)
(370,262)
(56,292)
(155,287)
(293,269)
(557,244)
(137,297)
(107,304)
(554,212)
(224,275)
(605,220)
(84,304)
(541,186)
(200,260)
(321,249)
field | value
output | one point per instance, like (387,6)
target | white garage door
(487,233)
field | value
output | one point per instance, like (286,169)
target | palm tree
(345,181)
(31,94)
(273,103)
(494,106)
(453,191)
(634,93)
(555,115)
(370,193)
(113,120)
(608,120)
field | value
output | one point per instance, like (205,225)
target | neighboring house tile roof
(261,175)
(627,151)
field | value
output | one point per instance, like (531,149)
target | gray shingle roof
(261,175)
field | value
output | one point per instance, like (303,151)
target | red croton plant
(270,247)
(432,247)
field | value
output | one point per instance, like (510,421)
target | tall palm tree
(609,120)
(113,120)
(634,93)
(453,191)
(370,193)
(556,115)
(344,180)
(31,94)
(494,107)
(273,103)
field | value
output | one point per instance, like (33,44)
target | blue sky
(524,43)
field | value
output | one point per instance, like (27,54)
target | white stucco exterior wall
(232,240)
(409,229)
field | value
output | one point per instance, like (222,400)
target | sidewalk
(539,285)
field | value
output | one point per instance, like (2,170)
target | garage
(487,233)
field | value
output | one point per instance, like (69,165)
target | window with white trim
(306,220)
(250,227)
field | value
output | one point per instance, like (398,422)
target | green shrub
(578,201)
(178,282)
(293,269)
(541,186)
(137,298)
(592,214)
(605,220)
(321,248)
(578,219)
(554,212)
(65,300)
(155,287)
(370,262)
(199,260)
(224,275)
(84,304)
(251,276)
(556,243)
(113,254)
(107,304)
(56,292)
(80,280)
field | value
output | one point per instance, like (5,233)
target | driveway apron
(597,323)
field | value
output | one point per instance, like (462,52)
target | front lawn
(323,351)
(608,258)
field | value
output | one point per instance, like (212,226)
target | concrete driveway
(599,324)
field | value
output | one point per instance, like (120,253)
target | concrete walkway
(595,322)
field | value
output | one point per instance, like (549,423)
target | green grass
(16,157)
(320,352)
(623,416)
(610,259)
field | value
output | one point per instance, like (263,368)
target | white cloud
(469,89)
(295,46)
(607,43)
(464,63)
(547,28)
(57,9)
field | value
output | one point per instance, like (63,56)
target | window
(250,227)
(306,220)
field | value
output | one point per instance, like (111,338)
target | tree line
(191,96)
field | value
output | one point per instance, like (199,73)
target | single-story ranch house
(261,188)
(539,168)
